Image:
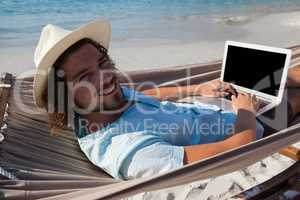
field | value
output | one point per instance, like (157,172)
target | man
(127,133)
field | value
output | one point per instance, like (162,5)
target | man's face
(93,80)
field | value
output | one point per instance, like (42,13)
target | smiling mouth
(109,89)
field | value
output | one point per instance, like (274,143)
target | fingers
(221,94)
(246,102)
(241,95)
(217,94)
(232,90)
(238,96)
(226,87)
(216,84)
(221,86)
(256,102)
(257,105)
(251,98)
(233,98)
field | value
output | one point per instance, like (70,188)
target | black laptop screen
(254,69)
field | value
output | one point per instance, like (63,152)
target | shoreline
(135,54)
(261,31)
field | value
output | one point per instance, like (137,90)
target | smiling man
(127,133)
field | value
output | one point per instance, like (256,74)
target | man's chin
(112,102)
(108,109)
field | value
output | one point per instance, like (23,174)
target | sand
(280,30)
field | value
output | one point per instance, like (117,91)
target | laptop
(257,70)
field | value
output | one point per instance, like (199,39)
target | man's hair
(58,117)
(61,59)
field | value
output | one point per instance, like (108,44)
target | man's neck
(97,120)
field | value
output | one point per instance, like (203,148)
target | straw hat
(54,41)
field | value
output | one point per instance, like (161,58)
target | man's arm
(172,92)
(214,88)
(245,132)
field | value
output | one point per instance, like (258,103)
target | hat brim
(99,31)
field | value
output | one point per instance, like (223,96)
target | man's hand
(245,102)
(215,88)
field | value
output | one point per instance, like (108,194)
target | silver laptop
(257,70)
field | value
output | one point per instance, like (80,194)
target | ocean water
(132,20)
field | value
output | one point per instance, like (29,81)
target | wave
(234,20)
(181,17)
(293,21)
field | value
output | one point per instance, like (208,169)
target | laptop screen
(254,69)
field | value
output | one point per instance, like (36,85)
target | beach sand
(280,30)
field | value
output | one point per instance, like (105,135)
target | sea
(149,33)
(131,20)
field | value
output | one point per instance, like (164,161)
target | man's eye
(83,76)
(101,61)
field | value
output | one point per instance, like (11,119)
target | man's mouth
(109,89)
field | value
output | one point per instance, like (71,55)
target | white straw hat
(54,41)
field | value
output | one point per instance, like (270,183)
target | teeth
(108,90)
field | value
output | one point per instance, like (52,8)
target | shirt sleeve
(157,158)
(131,155)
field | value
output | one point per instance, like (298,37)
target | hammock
(41,166)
